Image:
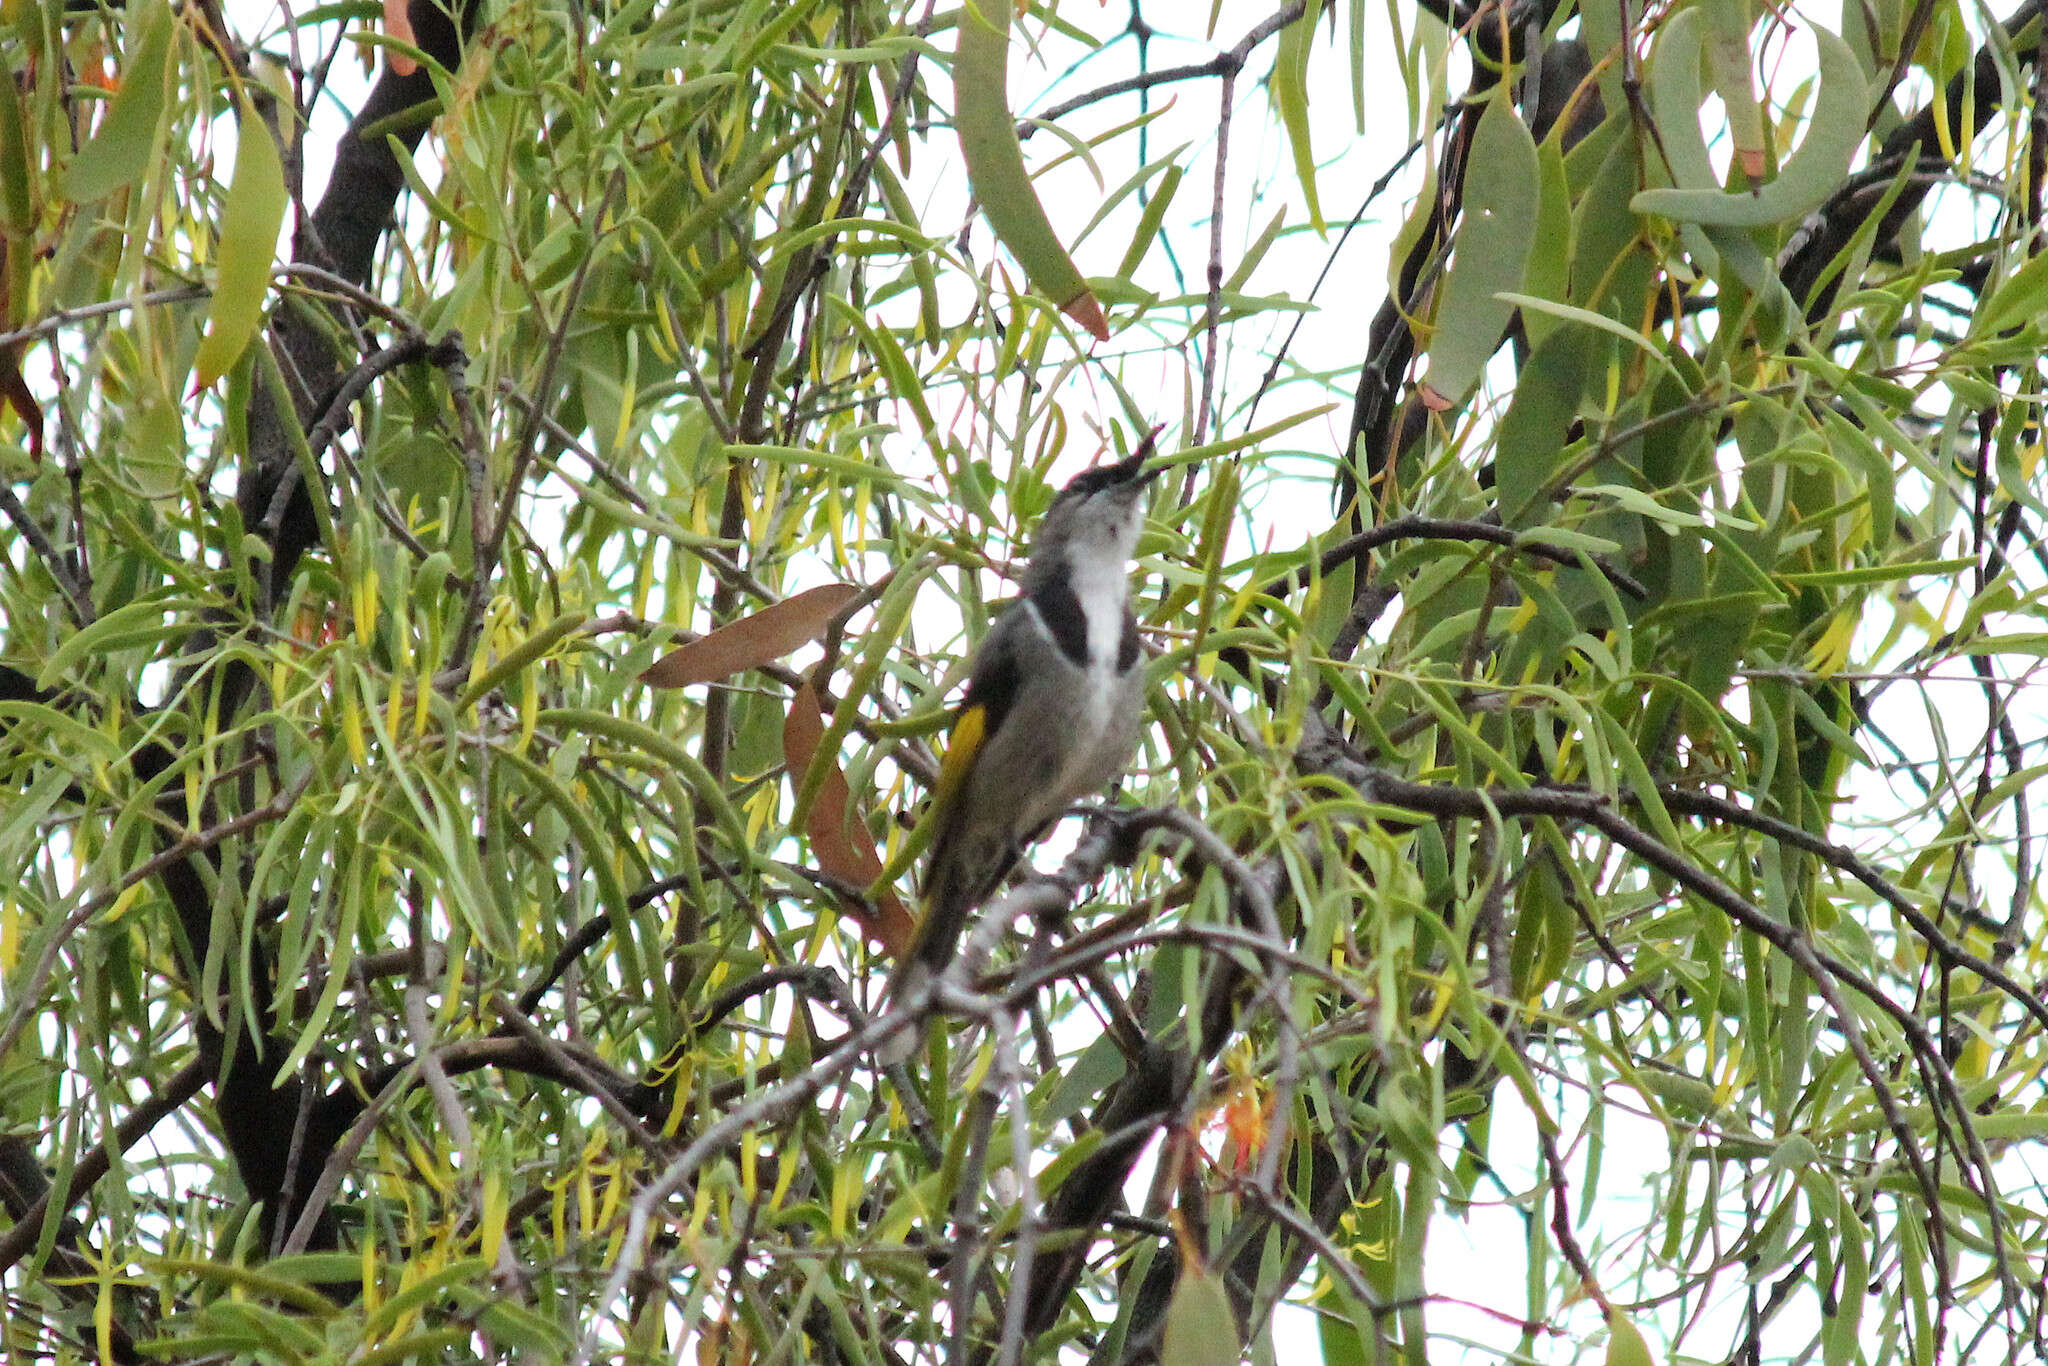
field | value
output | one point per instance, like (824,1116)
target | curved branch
(1417,528)
(1835,856)
(94,1162)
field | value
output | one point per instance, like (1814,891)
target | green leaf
(249,222)
(1549,270)
(60,730)
(1839,1335)
(138,623)
(1604,233)
(1532,434)
(520,1328)
(429,1288)
(518,657)
(1148,223)
(1727,44)
(1246,440)
(294,1287)
(1647,345)
(1546,932)
(1880,573)
(2016,301)
(995,164)
(1254,254)
(1289,87)
(427,1345)
(1802,184)
(276,1335)
(127,143)
(317,1268)
(1200,1328)
(472,226)
(1606,27)
(17,174)
(27,808)
(1625,1344)
(1503,195)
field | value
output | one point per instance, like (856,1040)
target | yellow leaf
(1831,651)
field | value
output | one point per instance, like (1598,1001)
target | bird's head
(1100,512)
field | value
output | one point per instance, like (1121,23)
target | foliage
(1604,842)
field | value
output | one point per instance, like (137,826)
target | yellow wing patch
(962,746)
(961,749)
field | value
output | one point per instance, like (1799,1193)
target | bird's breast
(1101,589)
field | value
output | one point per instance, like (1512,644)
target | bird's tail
(960,880)
(911,978)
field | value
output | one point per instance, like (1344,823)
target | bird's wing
(991,691)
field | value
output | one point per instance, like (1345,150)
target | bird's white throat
(1101,587)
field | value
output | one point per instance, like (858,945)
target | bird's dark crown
(1129,470)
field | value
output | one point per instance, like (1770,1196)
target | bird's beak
(1145,451)
(1124,476)
(1128,471)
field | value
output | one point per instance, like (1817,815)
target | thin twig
(1225,64)
(94,1161)
(454,363)
(1561,1222)
(515,1019)
(28,993)
(1212,302)
(76,600)
(421,1030)
(334,417)
(1418,528)
(1009,1074)
(63,318)
(342,1157)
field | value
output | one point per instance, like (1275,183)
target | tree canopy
(471,682)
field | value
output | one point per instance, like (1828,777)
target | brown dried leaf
(750,642)
(1086,310)
(14,389)
(839,840)
(398,24)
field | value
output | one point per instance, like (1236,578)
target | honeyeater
(1053,705)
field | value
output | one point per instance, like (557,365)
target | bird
(1054,704)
